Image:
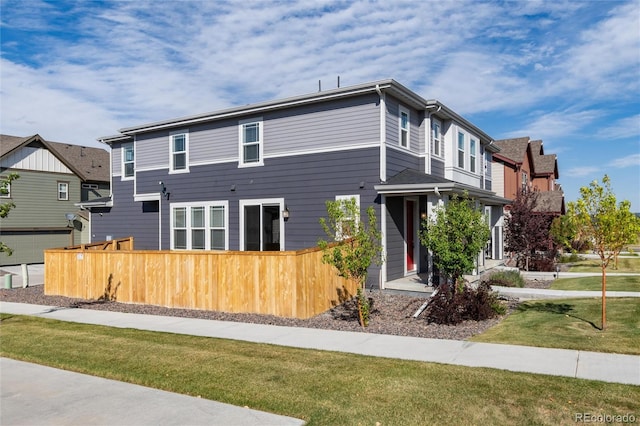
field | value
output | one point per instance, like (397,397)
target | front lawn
(571,324)
(323,388)
(593,265)
(614,283)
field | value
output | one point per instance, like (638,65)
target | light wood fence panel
(290,284)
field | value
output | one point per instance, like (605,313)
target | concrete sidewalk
(33,394)
(615,368)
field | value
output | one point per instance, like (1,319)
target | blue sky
(567,73)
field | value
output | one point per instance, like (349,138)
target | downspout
(383,178)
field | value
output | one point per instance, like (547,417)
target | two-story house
(522,165)
(257,177)
(54,177)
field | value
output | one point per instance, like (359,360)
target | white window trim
(458,150)
(171,153)
(207,222)
(440,153)
(123,175)
(260,202)
(66,198)
(8,194)
(473,156)
(241,124)
(348,197)
(403,110)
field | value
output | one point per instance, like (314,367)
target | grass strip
(321,387)
(625,264)
(571,324)
(614,283)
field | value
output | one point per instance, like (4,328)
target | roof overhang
(450,188)
(98,202)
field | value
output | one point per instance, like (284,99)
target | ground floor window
(262,225)
(200,226)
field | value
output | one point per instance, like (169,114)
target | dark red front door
(410,237)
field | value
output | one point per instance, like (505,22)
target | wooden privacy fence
(284,283)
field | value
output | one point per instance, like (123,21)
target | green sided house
(55,178)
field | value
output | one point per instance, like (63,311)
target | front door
(410,235)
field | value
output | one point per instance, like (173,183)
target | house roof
(89,164)
(415,182)
(512,150)
(387,86)
(550,202)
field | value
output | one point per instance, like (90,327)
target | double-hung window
(525,182)
(63,191)
(472,155)
(436,138)
(404,128)
(199,226)
(251,143)
(461,150)
(179,147)
(128,160)
(349,223)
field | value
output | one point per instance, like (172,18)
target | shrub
(571,258)
(505,279)
(451,307)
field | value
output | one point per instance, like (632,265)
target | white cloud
(628,127)
(582,171)
(628,161)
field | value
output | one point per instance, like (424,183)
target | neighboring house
(53,178)
(521,165)
(257,177)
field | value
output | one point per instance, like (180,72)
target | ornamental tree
(456,234)
(5,181)
(356,245)
(609,225)
(527,233)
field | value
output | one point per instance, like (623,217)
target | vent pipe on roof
(319,85)
(338,82)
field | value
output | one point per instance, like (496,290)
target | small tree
(5,208)
(455,236)
(527,233)
(357,246)
(609,225)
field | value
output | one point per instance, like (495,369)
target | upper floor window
(436,139)
(251,145)
(461,150)
(179,152)
(404,128)
(472,155)
(63,191)
(525,181)
(128,160)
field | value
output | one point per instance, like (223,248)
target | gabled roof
(89,164)
(512,150)
(550,202)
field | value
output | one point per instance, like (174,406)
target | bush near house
(504,279)
(449,306)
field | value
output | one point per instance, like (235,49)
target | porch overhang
(412,182)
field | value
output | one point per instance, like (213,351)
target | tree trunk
(604,297)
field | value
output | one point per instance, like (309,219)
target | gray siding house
(257,177)
(54,178)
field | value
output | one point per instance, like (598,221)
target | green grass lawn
(593,265)
(323,388)
(614,283)
(571,324)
